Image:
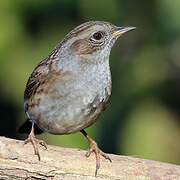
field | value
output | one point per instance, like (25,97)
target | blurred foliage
(143,118)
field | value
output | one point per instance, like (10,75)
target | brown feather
(42,81)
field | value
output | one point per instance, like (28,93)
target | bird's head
(92,41)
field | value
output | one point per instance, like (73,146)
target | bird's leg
(31,138)
(94,148)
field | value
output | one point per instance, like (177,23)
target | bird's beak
(121,30)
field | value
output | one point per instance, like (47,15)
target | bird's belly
(69,114)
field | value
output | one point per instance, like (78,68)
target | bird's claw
(34,142)
(94,148)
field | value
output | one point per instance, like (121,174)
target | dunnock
(69,89)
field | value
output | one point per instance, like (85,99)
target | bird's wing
(43,82)
(40,73)
(37,76)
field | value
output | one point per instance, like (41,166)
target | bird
(70,89)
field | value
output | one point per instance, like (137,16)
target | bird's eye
(97,35)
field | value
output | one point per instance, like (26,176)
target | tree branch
(17,161)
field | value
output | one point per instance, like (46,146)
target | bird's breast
(75,105)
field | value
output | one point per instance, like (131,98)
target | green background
(143,117)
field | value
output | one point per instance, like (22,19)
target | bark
(17,161)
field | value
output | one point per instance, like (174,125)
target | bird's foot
(31,138)
(94,148)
